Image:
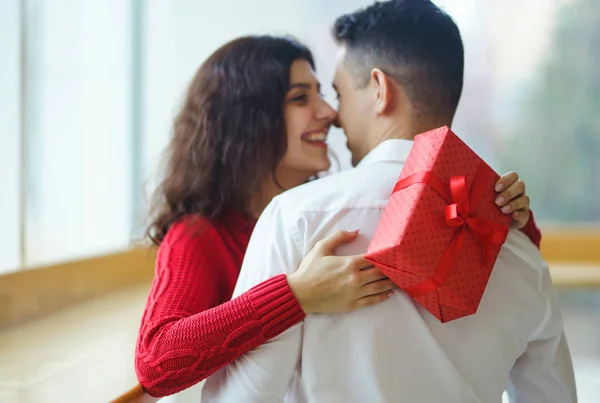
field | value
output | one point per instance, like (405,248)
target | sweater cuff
(275,305)
(532,231)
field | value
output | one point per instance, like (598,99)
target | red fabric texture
(190,327)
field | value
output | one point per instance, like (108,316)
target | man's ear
(384,91)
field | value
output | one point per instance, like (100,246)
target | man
(399,73)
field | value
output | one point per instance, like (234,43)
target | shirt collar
(393,150)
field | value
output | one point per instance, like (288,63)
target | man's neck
(407,130)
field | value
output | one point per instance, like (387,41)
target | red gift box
(441,233)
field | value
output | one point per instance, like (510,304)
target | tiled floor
(84,354)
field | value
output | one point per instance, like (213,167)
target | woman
(244,134)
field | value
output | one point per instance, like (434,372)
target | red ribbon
(458,214)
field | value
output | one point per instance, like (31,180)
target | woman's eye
(300,98)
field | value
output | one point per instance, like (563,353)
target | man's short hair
(414,42)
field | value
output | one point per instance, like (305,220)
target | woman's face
(308,119)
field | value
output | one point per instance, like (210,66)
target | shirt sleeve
(263,374)
(544,373)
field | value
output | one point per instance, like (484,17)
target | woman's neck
(270,189)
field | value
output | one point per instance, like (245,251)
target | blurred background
(88,92)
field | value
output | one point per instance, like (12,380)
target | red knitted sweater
(190,328)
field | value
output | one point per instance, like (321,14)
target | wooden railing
(135,395)
(571,245)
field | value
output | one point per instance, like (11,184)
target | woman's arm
(190,330)
(532,231)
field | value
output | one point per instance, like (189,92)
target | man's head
(399,72)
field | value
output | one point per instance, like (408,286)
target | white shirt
(395,351)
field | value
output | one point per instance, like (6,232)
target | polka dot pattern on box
(412,235)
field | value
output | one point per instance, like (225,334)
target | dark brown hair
(230,133)
(413,41)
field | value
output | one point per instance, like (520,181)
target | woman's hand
(326,283)
(512,199)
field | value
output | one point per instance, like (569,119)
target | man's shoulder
(521,261)
(318,189)
(362,187)
(519,245)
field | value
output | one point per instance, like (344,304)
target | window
(10,146)
(78,129)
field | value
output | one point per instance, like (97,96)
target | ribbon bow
(459,215)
